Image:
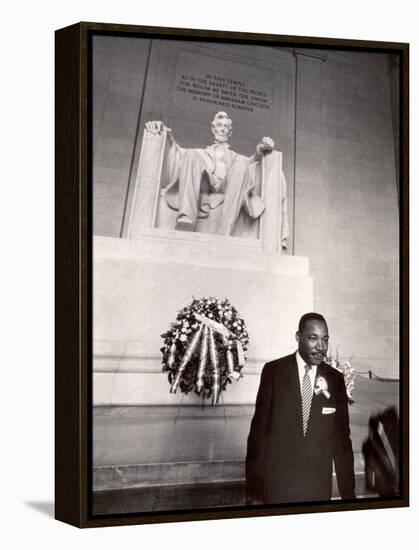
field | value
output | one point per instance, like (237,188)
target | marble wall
(119,68)
(346,211)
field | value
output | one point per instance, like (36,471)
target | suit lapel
(228,157)
(295,392)
(210,151)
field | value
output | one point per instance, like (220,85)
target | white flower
(183,338)
(320,386)
(321,383)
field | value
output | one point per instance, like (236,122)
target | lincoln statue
(215,177)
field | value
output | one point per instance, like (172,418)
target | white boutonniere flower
(321,386)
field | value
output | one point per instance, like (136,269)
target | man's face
(313,342)
(221,129)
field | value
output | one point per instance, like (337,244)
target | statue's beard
(221,139)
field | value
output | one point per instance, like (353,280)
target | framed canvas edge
(73,289)
(68,396)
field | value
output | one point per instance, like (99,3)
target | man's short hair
(310,317)
(222,114)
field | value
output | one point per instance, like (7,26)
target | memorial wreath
(204,350)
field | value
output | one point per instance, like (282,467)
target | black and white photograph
(246,287)
(210,273)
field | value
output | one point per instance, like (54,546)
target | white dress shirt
(301,371)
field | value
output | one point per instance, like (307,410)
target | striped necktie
(306,396)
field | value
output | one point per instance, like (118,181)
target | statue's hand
(266,145)
(154,126)
(157,127)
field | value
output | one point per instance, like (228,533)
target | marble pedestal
(140,285)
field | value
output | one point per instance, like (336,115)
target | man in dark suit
(300,426)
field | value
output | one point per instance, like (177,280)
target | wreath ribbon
(225,333)
(205,335)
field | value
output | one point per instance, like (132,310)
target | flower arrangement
(348,372)
(204,350)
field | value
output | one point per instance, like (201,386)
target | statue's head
(222,127)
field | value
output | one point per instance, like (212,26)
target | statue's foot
(184,223)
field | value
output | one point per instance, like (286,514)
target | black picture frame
(73,293)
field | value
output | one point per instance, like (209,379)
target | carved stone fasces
(147,184)
(274,221)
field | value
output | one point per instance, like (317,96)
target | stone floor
(159,458)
